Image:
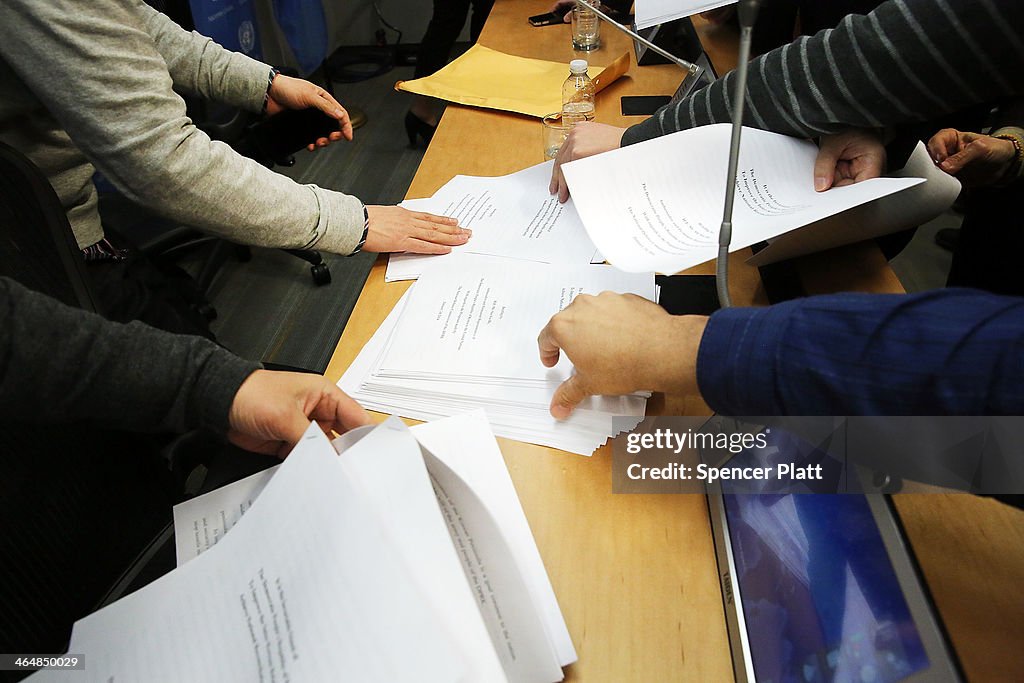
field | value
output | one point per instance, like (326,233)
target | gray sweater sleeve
(59,365)
(909,60)
(99,73)
(201,67)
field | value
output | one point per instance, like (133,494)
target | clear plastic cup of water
(586,28)
(554,134)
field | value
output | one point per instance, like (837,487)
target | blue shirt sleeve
(947,352)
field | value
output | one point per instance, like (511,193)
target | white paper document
(512,216)
(465,336)
(444,581)
(901,211)
(309,585)
(657,205)
(452,510)
(652,12)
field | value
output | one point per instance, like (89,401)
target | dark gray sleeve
(909,60)
(59,364)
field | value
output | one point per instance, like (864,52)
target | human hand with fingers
(272,410)
(976,160)
(584,140)
(619,344)
(847,158)
(295,93)
(394,228)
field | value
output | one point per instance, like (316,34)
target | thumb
(958,161)
(825,165)
(568,396)
(291,426)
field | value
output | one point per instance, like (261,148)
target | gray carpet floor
(269,309)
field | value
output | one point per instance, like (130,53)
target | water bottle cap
(578,66)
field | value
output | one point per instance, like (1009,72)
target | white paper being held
(657,205)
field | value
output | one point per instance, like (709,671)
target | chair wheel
(321,274)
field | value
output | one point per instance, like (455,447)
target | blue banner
(231,23)
(304,27)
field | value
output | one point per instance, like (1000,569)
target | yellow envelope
(483,77)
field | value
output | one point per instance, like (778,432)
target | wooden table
(635,575)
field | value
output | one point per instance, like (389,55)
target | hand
(848,158)
(563,7)
(976,160)
(620,343)
(584,140)
(393,228)
(272,410)
(294,93)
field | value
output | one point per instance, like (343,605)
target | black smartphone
(643,105)
(549,19)
(282,135)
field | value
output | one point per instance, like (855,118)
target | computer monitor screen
(821,601)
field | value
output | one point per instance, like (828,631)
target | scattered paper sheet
(511,216)
(470,500)
(653,12)
(466,444)
(483,77)
(657,205)
(907,209)
(305,587)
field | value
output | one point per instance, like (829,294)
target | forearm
(882,69)
(201,67)
(60,365)
(946,352)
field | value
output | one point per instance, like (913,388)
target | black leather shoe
(415,128)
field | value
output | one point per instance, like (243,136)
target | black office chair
(37,246)
(77,504)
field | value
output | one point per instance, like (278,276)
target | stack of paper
(657,205)
(353,568)
(511,216)
(465,336)
(653,12)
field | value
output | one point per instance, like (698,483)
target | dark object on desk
(643,105)
(549,19)
(687,294)
(677,37)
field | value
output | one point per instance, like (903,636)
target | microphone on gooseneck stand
(747,15)
(694,71)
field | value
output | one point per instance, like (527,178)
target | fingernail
(465,231)
(820,184)
(560,412)
(338,113)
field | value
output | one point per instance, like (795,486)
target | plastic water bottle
(586,27)
(578,94)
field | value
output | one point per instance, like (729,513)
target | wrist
(678,340)
(271,77)
(1015,166)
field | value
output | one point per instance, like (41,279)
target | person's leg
(481,10)
(445,25)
